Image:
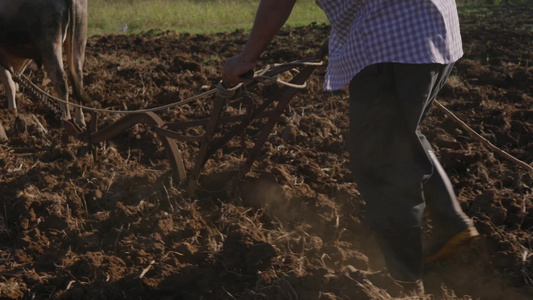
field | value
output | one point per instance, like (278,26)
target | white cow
(38,30)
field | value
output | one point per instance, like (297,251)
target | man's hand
(270,17)
(234,68)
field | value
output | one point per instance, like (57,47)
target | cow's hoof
(80,122)
(3,135)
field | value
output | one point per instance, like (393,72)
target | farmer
(395,56)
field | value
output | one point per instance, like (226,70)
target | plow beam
(149,119)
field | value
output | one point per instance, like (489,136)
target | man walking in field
(395,56)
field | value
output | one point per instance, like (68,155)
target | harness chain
(34,90)
(221,90)
(39,95)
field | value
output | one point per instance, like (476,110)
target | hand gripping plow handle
(210,145)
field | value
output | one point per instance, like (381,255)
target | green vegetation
(211,16)
(192,16)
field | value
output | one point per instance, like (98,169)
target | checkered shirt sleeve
(366,32)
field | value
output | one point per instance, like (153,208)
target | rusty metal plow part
(149,119)
(210,145)
(212,139)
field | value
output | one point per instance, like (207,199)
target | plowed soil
(115,225)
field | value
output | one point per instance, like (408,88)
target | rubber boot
(402,251)
(442,203)
(453,228)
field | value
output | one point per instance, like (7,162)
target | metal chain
(221,90)
(41,96)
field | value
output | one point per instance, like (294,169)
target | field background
(211,16)
(191,16)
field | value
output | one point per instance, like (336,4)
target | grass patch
(191,16)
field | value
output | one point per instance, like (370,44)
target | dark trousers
(393,164)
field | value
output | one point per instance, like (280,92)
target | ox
(38,30)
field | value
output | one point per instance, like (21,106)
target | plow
(211,138)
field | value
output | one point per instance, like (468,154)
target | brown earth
(115,227)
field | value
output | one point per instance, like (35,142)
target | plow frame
(211,140)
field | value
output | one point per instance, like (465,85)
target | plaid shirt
(366,32)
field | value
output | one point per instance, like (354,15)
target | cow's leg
(75,75)
(75,68)
(75,48)
(9,87)
(53,64)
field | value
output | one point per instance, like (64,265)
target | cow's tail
(75,80)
